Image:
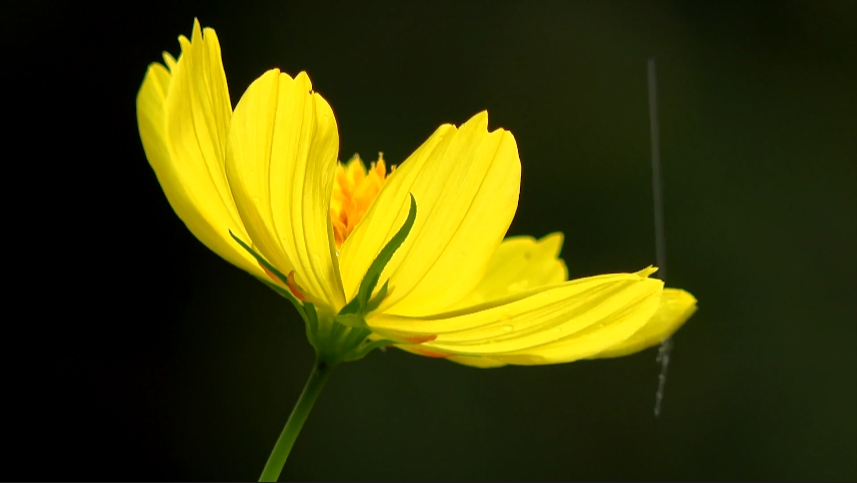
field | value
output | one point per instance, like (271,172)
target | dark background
(140,355)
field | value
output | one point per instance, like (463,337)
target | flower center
(354,188)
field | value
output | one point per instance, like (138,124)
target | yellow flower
(266,176)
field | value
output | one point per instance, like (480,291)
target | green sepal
(346,337)
(341,344)
(311,314)
(375,302)
(355,338)
(352,314)
(361,304)
(352,307)
(285,293)
(351,320)
(370,280)
(366,349)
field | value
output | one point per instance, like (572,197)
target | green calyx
(344,337)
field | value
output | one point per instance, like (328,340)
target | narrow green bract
(345,338)
(361,305)
(272,269)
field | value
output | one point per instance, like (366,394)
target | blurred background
(141,355)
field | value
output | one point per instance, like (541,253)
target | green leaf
(352,307)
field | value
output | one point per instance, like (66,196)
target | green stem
(320,374)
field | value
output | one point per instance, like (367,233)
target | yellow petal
(169,61)
(150,120)
(558,323)
(466,183)
(280,163)
(166,123)
(480,362)
(675,308)
(520,263)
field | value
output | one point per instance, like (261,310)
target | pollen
(354,188)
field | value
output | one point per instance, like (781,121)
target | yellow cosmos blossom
(267,176)
(413,257)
